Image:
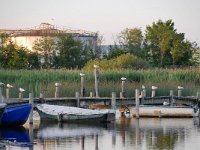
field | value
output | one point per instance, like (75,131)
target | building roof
(46,29)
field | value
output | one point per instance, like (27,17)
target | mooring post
(96,77)
(1,96)
(8,86)
(31,113)
(180,88)
(96,142)
(77,99)
(171,95)
(91,94)
(198,95)
(143,94)
(113,101)
(82,84)
(154,88)
(41,95)
(57,91)
(122,94)
(137,102)
(21,91)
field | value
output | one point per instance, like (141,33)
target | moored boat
(15,115)
(74,114)
(166,111)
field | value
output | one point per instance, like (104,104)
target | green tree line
(160,45)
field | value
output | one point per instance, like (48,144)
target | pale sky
(108,17)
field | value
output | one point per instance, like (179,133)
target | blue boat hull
(16,115)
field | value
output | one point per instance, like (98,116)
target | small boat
(74,114)
(166,111)
(16,115)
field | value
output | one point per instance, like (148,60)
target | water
(124,134)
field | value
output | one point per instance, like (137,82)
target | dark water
(124,134)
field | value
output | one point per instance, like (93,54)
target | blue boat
(16,115)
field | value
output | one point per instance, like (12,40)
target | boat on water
(166,111)
(74,114)
(15,115)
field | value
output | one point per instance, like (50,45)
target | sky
(108,17)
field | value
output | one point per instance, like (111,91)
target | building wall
(28,41)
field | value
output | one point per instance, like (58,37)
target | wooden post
(180,91)
(96,77)
(20,94)
(96,142)
(122,94)
(91,94)
(198,95)
(82,143)
(171,94)
(78,99)
(153,94)
(31,113)
(41,95)
(113,101)
(1,96)
(7,92)
(137,103)
(82,84)
(31,135)
(57,91)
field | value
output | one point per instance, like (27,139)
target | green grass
(109,81)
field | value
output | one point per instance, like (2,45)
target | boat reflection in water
(66,134)
(16,136)
(125,133)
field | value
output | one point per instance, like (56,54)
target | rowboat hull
(81,115)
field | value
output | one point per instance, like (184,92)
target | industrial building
(27,37)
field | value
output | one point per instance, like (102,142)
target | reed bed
(110,80)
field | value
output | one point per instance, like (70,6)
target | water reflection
(125,133)
(17,136)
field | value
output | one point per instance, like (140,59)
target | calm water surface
(124,134)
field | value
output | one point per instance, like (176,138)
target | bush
(125,61)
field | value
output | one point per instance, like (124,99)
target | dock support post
(154,88)
(91,94)
(78,99)
(122,94)
(31,113)
(171,94)
(180,91)
(96,142)
(1,97)
(113,101)
(137,103)
(20,94)
(57,91)
(82,85)
(96,76)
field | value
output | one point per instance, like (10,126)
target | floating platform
(161,111)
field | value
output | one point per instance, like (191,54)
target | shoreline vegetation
(110,80)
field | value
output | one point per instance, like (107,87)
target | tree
(46,48)
(164,46)
(131,40)
(13,57)
(159,37)
(69,52)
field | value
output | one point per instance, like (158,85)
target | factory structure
(27,37)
